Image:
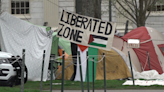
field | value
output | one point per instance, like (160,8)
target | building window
(20,7)
(159,6)
(161,47)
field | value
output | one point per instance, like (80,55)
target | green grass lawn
(31,86)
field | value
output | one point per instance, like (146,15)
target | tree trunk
(141,16)
(0,6)
(91,8)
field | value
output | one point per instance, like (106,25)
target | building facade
(46,12)
(38,12)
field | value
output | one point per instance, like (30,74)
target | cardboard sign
(86,31)
(133,43)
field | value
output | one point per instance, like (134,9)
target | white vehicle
(10,70)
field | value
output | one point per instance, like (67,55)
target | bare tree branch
(137,11)
(134,2)
(151,6)
(125,16)
(130,6)
(136,5)
(125,9)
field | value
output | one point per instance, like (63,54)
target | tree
(91,8)
(0,6)
(137,11)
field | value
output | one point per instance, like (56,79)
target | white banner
(86,31)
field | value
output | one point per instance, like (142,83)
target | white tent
(151,41)
(16,34)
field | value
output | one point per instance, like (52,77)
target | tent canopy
(151,41)
(17,34)
(116,66)
(66,46)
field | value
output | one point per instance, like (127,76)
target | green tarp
(92,52)
(63,43)
(54,47)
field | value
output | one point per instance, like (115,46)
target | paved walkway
(111,91)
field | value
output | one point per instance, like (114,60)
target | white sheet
(16,34)
(152,77)
(151,74)
(144,82)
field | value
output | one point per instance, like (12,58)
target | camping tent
(151,41)
(19,34)
(66,46)
(120,44)
(16,34)
(62,43)
(116,66)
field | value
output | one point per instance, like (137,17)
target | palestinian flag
(97,40)
(92,52)
(74,53)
